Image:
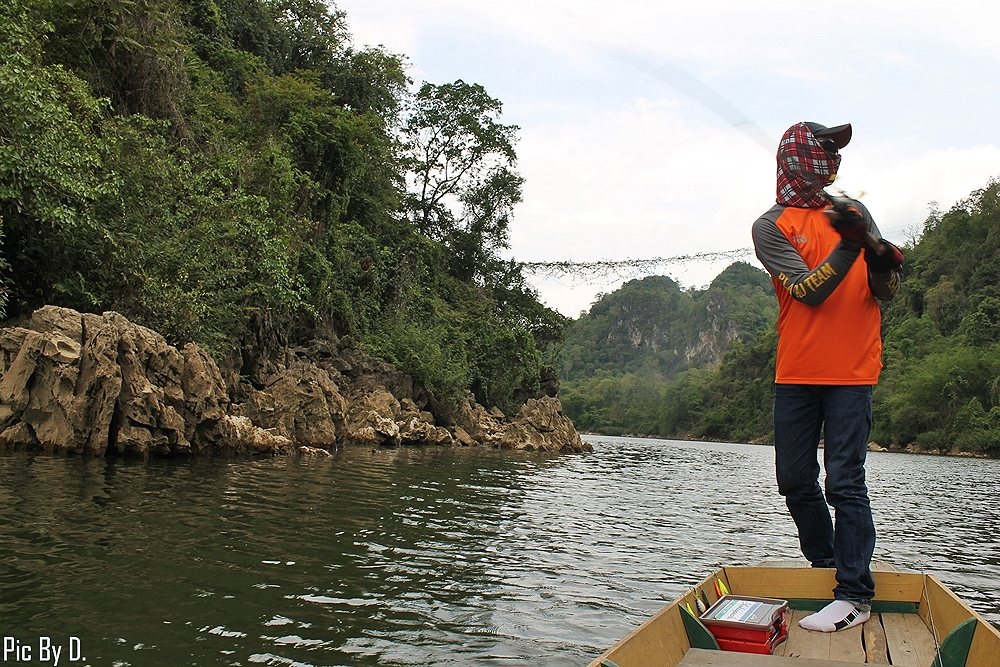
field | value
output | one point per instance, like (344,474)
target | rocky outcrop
(84,383)
(299,401)
(89,383)
(541,425)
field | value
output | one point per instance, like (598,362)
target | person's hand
(847,219)
(883,259)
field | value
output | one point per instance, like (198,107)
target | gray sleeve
(779,257)
(883,285)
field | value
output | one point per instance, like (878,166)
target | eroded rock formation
(84,383)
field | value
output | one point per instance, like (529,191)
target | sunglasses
(829,145)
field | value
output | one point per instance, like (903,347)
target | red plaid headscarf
(804,168)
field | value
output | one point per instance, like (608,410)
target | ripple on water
(439,557)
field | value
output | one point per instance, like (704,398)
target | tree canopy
(230,171)
(236,171)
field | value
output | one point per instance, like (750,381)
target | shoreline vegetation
(654,358)
(766,442)
(295,212)
(237,177)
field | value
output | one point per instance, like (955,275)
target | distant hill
(652,359)
(652,326)
(650,337)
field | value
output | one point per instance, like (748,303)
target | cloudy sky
(648,129)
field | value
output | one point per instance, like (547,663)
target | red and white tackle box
(747,624)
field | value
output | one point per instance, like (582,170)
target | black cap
(841,134)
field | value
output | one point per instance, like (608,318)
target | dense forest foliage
(939,390)
(653,358)
(236,173)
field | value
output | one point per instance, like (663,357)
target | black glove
(847,219)
(885,259)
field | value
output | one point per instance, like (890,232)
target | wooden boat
(916,622)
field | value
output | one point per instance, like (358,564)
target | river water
(425,556)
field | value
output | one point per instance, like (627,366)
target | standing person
(827,273)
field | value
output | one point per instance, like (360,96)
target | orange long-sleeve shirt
(828,318)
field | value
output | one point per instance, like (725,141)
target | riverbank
(873,446)
(92,384)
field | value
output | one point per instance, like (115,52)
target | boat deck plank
(876,645)
(900,640)
(702,658)
(910,642)
(847,645)
(804,644)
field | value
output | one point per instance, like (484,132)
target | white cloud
(640,177)
(900,185)
(647,127)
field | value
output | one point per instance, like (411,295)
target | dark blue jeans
(843,414)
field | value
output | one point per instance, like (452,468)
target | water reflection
(443,557)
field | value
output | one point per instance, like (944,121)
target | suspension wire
(595,271)
(934,632)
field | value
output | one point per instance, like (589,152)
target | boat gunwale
(939,609)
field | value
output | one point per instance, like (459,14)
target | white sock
(838,615)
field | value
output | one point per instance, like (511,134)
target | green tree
(931,403)
(943,303)
(50,158)
(982,326)
(464,183)
(131,53)
(739,397)
(233,172)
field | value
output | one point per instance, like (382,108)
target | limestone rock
(56,394)
(541,425)
(84,383)
(473,420)
(239,435)
(314,452)
(87,383)
(301,403)
(462,437)
(371,417)
(417,431)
